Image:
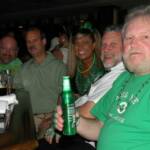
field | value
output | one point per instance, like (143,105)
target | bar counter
(21,130)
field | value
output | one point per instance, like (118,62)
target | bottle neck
(66,84)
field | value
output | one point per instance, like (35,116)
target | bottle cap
(66,83)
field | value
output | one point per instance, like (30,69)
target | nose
(133,42)
(7,51)
(79,47)
(30,44)
(106,48)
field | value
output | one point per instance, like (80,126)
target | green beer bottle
(68,107)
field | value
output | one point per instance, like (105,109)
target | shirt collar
(120,65)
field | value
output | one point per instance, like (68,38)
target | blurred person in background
(54,43)
(9,54)
(62,49)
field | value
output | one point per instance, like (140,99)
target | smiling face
(8,49)
(111,49)
(137,45)
(84,47)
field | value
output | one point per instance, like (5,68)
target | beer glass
(6,82)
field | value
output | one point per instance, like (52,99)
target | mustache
(32,47)
(132,51)
(107,54)
(6,55)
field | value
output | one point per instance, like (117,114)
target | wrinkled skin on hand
(51,133)
(58,119)
(46,123)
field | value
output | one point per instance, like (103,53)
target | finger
(57,138)
(59,110)
(58,119)
(50,133)
(49,139)
(58,122)
(45,124)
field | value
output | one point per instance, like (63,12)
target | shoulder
(56,63)
(29,62)
(54,60)
(123,76)
(18,61)
(15,62)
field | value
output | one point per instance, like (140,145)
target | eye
(113,45)
(103,46)
(146,36)
(128,37)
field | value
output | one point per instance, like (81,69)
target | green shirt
(14,66)
(127,128)
(43,82)
(83,83)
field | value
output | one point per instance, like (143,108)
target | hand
(58,124)
(46,123)
(58,119)
(43,122)
(51,134)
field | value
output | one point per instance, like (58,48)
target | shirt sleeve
(101,108)
(102,86)
(81,100)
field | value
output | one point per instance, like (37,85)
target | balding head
(8,49)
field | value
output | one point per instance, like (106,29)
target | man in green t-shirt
(123,114)
(8,54)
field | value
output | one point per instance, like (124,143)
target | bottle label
(69,120)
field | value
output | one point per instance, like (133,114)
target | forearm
(84,110)
(89,128)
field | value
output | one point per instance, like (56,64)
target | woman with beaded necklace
(88,64)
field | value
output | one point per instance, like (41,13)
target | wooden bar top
(28,145)
(21,132)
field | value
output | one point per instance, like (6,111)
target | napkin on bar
(7,102)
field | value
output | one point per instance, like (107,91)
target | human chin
(108,60)
(140,69)
(6,61)
(33,50)
(81,57)
(108,65)
(132,65)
